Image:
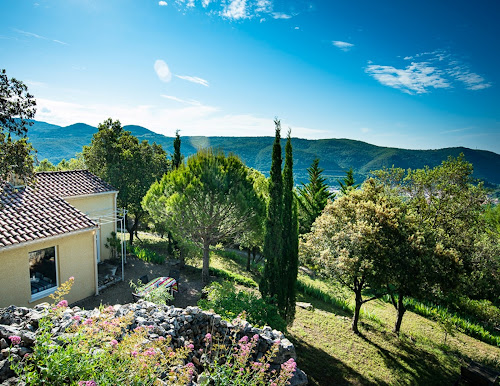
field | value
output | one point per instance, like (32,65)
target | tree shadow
(323,369)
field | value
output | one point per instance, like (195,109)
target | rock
(299,378)
(5,371)
(306,306)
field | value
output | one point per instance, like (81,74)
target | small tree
(208,200)
(353,240)
(347,183)
(17,107)
(313,197)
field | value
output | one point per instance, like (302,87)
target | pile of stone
(184,326)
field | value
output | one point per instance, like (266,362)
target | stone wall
(189,325)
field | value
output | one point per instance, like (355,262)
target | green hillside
(337,155)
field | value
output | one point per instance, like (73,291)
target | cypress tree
(177,157)
(271,279)
(290,238)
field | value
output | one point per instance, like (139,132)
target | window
(43,273)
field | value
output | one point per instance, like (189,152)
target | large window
(43,272)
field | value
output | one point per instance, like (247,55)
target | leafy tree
(290,259)
(442,239)
(208,200)
(17,107)
(313,197)
(347,183)
(353,240)
(273,243)
(130,166)
(73,164)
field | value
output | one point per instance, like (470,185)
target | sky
(415,75)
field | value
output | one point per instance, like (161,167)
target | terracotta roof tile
(27,214)
(71,183)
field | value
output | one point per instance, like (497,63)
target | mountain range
(336,155)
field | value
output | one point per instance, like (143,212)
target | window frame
(42,294)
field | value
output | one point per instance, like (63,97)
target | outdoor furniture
(160,282)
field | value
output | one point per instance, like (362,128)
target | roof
(71,183)
(27,214)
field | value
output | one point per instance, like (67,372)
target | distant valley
(336,155)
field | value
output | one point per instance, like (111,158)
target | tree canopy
(130,166)
(208,200)
(17,107)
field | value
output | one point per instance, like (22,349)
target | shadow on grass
(323,306)
(323,369)
(411,364)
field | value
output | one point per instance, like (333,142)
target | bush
(147,254)
(235,277)
(224,299)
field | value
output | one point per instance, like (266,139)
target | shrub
(161,295)
(228,302)
(235,277)
(147,254)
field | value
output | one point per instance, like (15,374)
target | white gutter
(90,194)
(49,238)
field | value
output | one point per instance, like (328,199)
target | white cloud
(416,78)
(365,130)
(193,119)
(432,69)
(162,71)
(235,9)
(36,36)
(205,3)
(193,79)
(191,102)
(162,3)
(280,15)
(344,46)
(264,6)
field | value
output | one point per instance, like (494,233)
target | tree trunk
(182,260)
(401,311)
(357,309)
(248,259)
(205,273)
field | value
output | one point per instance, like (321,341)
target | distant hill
(336,155)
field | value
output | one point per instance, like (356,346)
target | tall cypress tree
(177,157)
(271,279)
(290,238)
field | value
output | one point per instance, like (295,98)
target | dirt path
(121,293)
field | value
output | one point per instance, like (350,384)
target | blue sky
(417,75)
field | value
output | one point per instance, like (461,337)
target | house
(52,231)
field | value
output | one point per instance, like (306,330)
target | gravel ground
(121,293)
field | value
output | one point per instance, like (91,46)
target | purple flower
(15,339)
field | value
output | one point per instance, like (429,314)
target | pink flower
(190,364)
(87,322)
(191,346)
(77,318)
(62,303)
(114,342)
(208,337)
(72,278)
(255,337)
(15,339)
(161,338)
(133,353)
(244,339)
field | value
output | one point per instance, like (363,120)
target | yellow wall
(74,257)
(96,207)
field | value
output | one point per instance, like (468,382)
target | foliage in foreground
(231,276)
(224,299)
(146,254)
(103,350)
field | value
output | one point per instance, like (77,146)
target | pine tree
(347,183)
(289,258)
(313,197)
(273,249)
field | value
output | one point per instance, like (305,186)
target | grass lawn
(331,354)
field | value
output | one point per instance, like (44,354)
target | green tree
(130,166)
(17,107)
(313,197)
(208,200)
(177,156)
(273,243)
(353,240)
(290,258)
(347,183)
(439,253)
(73,164)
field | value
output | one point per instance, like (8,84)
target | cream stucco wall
(75,256)
(98,207)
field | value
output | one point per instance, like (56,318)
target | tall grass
(146,254)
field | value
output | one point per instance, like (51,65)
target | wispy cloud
(415,78)
(162,3)
(239,10)
(344,46)
(428,70)
(191,102)
(235,9)
(36,36)
(194,79)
